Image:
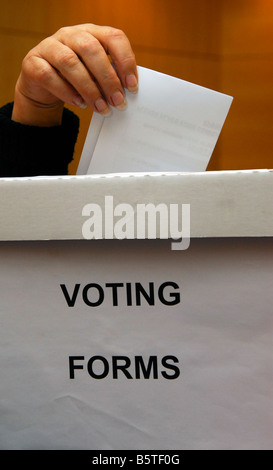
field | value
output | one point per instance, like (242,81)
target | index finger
(118,46)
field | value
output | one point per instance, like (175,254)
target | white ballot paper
(169,125)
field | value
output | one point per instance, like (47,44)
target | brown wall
(247,74)
(224,45)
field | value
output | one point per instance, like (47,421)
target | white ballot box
(137,342)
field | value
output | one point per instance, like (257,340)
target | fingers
(61,72)
(116,43)
(80,66)
(85,64)
(47,84)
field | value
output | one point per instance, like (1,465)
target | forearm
(27,150)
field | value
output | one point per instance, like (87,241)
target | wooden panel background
(247,74)
(226,46)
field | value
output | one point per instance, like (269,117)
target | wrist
(33,113)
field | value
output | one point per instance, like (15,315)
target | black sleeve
(36,151)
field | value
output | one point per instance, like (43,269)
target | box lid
(222,203)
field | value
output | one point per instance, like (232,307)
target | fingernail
(132,83)
(118,100)
(101,106)
(78,101)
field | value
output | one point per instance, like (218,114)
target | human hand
(72,66)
